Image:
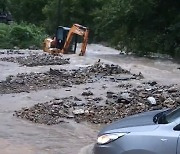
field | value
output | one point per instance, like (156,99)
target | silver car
(153,132)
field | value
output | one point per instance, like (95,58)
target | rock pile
(54,79)
(11,52)
(135,100)
(116,106)
(37,60)
(48,113)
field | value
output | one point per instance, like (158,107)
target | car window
(172,116)
(177,128)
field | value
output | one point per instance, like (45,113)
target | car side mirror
(177,128)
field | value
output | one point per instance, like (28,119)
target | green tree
(141,26)
(28,10)
(67,12)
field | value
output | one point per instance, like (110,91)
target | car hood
(138,122)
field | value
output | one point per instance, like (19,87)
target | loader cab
(61,36)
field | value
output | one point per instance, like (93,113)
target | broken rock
(172,89)
(151,100)
(88,93)
(78,111)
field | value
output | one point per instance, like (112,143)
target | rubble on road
(151,100)
(11,52)
(37,60)
(54,79)
(87,93)
(116,106)
(130,99)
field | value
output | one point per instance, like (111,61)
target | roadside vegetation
(21,35)
(140,27)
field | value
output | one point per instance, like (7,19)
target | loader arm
(81,31)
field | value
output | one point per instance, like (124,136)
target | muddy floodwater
(18,136)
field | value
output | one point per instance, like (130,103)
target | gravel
(118,105)
(54,79)
(98,110)
(37,60)
(11,52)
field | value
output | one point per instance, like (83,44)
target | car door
(178,146)
(177,129)
(161,141)
(165,142)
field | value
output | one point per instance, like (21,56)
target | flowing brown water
(19,136)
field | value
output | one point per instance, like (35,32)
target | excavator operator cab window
(61,36)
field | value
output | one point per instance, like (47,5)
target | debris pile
(37,60)
(11,52)
(116,105)
(54,79)
(48,113)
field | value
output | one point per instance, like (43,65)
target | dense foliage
(142,27)
(67,12)
(20,35)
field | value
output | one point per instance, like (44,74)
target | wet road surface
(18,136)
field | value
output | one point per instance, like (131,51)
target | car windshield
(172,116)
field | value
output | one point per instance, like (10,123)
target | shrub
(4,35)
(21,35)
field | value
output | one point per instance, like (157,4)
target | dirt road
(18,136)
